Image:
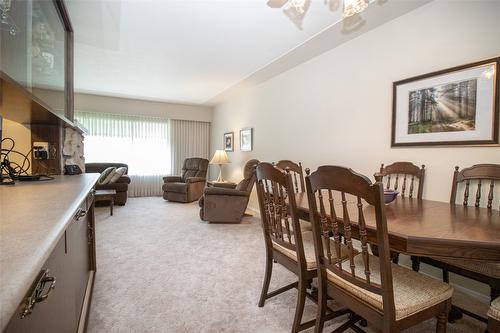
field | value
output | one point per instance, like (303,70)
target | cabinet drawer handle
(80,213)
(40,292)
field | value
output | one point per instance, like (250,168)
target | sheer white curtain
(141,142)
(188,139)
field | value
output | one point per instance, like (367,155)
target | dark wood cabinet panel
(72,264)
(78,255)
(55,314)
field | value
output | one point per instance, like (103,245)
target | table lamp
(220,157)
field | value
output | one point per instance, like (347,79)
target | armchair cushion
(195,179)
(243,185)
(194,167)
(172,179)
(225,191)
(123,180)
(175,187)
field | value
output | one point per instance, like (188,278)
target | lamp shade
(220,157)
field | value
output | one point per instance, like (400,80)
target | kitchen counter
(33,217)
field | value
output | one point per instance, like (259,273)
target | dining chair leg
(494,294)
(395,258)
(442,319)
(301,301)
(415,264)
(267,280)
(322,306)
(446,276)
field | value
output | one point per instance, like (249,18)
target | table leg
(111,206)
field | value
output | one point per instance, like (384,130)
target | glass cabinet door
(33,48)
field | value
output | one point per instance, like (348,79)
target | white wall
(119,105)
(22,137)
(336,108)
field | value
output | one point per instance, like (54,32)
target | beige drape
(188,139)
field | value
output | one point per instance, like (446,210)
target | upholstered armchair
(189,186)
(222,204)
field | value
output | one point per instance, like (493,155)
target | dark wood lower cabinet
(72,264)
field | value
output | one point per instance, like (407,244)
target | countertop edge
(9,306)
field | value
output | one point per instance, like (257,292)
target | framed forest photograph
(456,106)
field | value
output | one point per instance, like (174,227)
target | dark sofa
(121,185)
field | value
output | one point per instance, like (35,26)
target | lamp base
(220,179)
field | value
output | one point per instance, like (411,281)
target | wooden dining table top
(430,228)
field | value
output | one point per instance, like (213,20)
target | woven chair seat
(491,269)
(413,292)
(494,311)
(307,241)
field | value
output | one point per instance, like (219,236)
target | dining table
(428,228)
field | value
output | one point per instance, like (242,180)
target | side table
(106,195)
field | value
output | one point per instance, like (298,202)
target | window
(140,142)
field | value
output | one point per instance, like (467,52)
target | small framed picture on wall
(455,106)
(229,141)
(246,139)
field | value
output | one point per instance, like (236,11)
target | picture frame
(246,139)
(228,142)
(457,106)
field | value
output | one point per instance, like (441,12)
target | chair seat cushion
(494,311)
(491,269)
(413,292)
(307,240)
(175,187)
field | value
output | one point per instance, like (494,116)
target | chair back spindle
(336,195)
(479,174)
(405,175)
(280,223)
(297,174)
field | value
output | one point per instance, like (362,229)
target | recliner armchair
(189,186)
(222,204)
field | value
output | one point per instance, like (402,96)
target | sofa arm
(225,191)
(172,179)
(124,179)
(195,179)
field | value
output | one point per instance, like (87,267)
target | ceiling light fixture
(353,7)
(298,5)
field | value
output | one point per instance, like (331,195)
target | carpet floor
(161,269)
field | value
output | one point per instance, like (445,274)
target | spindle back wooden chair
(388,296)
(494,317)
(284,240)
(406,178)
(483,177)
(283,237)
(296,172)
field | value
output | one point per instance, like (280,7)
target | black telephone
(72,169)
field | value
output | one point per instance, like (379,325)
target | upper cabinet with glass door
(34,52)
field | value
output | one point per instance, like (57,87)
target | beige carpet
(161,269)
